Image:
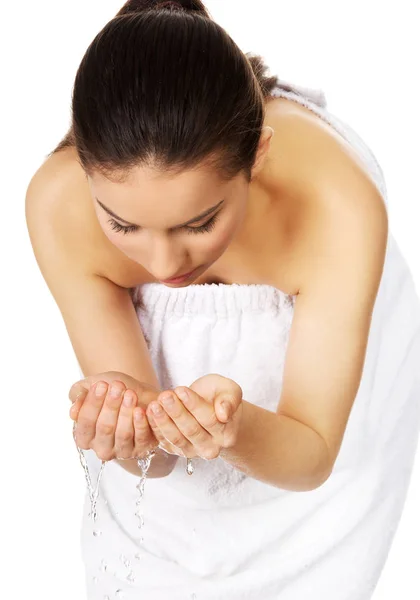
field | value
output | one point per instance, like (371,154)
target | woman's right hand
(105,424)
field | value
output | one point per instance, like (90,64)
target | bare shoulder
(306,151)
(327,189)
(58,201)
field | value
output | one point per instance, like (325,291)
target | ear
(263,148)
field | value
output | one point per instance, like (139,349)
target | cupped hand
(114,425)
(193,421)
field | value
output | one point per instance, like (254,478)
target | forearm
(162,464)
(278,450)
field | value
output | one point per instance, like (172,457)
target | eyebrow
(194,220)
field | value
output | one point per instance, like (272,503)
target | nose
(165,260)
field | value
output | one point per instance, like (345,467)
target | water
(103,567)
(125,561)
(93,491)
(144,465)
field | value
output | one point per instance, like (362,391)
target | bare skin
(288,216)
(106,421)
(269,248)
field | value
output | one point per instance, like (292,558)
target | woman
(183,156)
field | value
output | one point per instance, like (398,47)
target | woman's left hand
(189,426)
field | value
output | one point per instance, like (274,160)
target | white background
(361,53)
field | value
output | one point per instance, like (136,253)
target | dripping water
(93,491)
(144,465)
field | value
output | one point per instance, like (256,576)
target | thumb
(78,390)
(223,407)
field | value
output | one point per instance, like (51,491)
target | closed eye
(208,226)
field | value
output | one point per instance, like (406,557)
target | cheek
(116,239)
(229,229)
(121,242)
(220,239)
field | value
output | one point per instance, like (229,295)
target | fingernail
(156,409)
(115,391)
(183,394)
(100,389)
(128,399)
(225,409)
(167,400)
(77,396)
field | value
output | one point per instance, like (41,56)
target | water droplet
(130,576)
(104,566)
(190,466)
(107,598)
(138,556)
(95,580)
(193,596)
(125,561)
(119,594)
(97,533)
(194,531)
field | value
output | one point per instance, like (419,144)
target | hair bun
(136,6)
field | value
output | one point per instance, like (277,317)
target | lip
(181,278)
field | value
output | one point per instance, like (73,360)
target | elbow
(320,480)
(324,469)
(324,472)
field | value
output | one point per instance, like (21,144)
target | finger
(75,408)
(107,421)
(158,436)
(215,387)
(169,430)
(77,389)
(186,422)
(202,411)
(88,415)
(224,408)
(124,433)
(143,435)
(148,415)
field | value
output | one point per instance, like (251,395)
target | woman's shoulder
(305,144)
(321,183)
(58,199)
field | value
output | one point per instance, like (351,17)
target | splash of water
(190,466)
(144,465)
(93,491)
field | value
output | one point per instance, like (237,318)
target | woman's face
(156,218)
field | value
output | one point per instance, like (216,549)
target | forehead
(155,199)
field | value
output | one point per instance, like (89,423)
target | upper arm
(345,253)
(99,315)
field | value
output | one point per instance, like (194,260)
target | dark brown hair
(162,84)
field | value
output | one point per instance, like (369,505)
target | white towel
(220,535)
